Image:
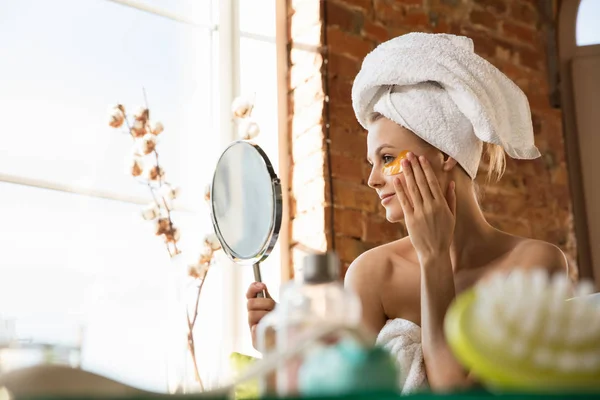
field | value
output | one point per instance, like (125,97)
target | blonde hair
(496,161)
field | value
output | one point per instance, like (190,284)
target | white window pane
(198,11)
(257,17)
(258,74)
(93,260)
(588,27)
(66,61)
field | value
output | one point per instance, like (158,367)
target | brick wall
(327,44)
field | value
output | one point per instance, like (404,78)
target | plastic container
(316,298)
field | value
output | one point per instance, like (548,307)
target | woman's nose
(375,178)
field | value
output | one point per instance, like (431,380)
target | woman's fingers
(420,178)
(255,288)
(411,184)
(260,303)
(432,180)
(254,317)
(402,197)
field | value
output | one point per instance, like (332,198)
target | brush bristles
(526,318)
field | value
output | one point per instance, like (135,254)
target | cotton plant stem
(191,323)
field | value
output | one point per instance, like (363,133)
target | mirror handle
(257,278)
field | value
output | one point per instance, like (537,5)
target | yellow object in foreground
(519,334)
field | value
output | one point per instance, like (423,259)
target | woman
(432,96)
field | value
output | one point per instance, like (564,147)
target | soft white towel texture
(402,338)
(437,87)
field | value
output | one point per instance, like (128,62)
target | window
(587,29)
(74,246)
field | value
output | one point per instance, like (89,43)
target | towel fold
(402,338)
(436,86)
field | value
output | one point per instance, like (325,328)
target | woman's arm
(437,292)
(429,214)
(364,278)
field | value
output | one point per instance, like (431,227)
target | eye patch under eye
(395,167)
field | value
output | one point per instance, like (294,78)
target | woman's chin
(393,215)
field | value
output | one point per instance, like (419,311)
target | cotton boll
(117,116)
(157,128)
(150,212)
(242,107)
(142,114)
(248,130)
(169,192)
(212,242)
(148,143)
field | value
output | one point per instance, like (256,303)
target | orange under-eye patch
(395,167)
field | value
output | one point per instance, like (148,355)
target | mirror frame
(276,219)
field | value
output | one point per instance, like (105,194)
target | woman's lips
(386,198)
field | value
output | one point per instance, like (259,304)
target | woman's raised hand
(428,213)
(258,307)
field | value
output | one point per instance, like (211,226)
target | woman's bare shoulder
(379,261)
(532,253)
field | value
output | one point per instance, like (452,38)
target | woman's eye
(387,159)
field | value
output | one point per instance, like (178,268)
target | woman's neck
(473,235)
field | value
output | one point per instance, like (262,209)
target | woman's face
(385,141)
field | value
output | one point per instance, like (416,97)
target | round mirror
(246,204)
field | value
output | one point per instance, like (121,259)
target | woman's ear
(448,164)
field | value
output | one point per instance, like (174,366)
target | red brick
(362,5)
(505,205)
(496,6)
(343,17)
(416,19)
(308,93)
(523,12)
(520,203)
(351,143)
(342,67)
(346,168)
(308,196)
(537,101)
(303,120)
(531,59)
(376,31)
(306,14)
(355,196)
(387,14)
(301,72)
(343,43)
(511,225)
(451,3)
(310,142)
(484,18)
(340,91)
(522,33)
(307,169)
(484,45)
(347,222)
(349,249)
(379,230)
(438,23)
(341,115)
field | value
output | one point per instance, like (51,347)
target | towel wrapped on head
(437,87)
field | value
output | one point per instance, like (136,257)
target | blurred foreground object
(518,332)
(55,380)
